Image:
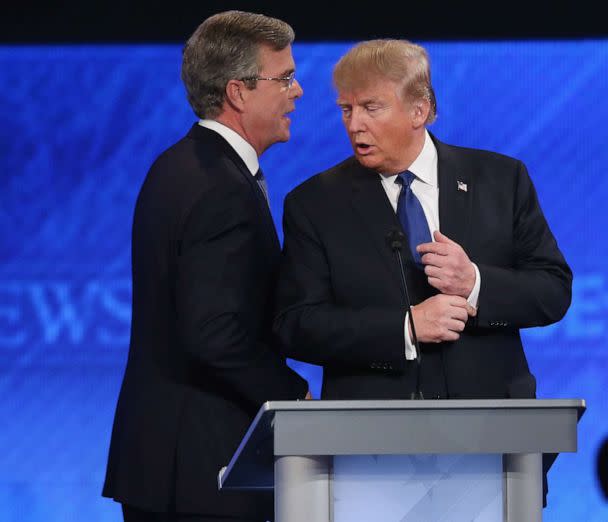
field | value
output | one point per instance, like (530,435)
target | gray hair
(226,47)
(401,61)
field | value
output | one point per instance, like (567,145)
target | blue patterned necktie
(259,177)
(411,215)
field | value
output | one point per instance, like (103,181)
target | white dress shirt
(237,142)
(426,189)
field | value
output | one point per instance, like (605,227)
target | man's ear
(236,94)
(420,109)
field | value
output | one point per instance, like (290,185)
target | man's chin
(367,161)
(282,137)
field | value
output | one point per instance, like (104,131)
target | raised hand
(447,266)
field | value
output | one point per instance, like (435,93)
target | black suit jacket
(205,255)
(340,302)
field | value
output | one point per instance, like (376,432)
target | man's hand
(440,318)
(447,266)
(308,396)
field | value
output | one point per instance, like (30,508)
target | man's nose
(296,90)
(355,122)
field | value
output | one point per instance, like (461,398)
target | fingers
(441,245)
(457,301)
(450,330)
(442,238)
(440,318)
(451,300)
(459,313)
(455,326)
(432,271)
(434,259)
(441,249)
(435,282)
(449,336)
(447,266)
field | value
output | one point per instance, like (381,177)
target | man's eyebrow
(369,101)
(361,103)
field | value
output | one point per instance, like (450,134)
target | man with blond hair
(480,260)
(205,254)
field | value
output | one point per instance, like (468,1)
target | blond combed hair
(400,61)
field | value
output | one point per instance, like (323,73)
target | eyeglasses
(287,80)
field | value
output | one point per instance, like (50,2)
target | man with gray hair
(205,254)
(480,260)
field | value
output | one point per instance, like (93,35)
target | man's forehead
(376,91)
(281,61)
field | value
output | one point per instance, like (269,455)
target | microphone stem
(409,308)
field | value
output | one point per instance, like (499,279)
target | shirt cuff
(410,349)
(473,298)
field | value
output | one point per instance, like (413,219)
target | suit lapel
(263,207)
(240,169)
(375,213)
(456,189)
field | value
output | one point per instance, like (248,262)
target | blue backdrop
(79,128)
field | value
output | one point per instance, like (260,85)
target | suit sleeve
(220,301)
(311,325)
(536,289)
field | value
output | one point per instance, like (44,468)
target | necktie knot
(405,178)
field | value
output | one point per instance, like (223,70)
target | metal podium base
(523,487)
(301,492)
(409,488)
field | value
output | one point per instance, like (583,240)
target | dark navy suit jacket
(201,361)
(340,302)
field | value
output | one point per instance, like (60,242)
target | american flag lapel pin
(462,186)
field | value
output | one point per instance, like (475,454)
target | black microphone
(395,239)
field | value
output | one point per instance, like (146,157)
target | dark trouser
(133,514)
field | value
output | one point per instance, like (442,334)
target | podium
(426,461)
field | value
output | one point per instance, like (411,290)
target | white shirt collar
(237,142)
(424,167)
